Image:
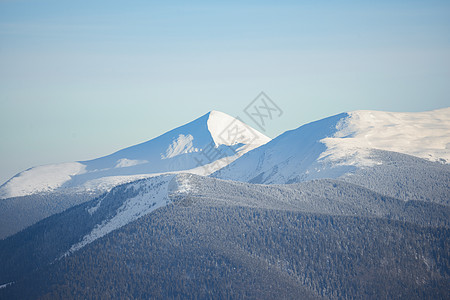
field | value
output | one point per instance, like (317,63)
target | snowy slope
(40,179)
(331,147)
(424,134)
(147,195)
(201,146)
(151,194)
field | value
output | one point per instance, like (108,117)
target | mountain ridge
(180,149)
(343,143)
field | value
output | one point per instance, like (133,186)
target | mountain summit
(201,147)
(336,145)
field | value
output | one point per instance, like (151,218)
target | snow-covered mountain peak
(229,131)
(202,146)
(336,145)
(422,134)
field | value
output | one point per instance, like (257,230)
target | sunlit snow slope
(331,147)
(147,195)
(201,147)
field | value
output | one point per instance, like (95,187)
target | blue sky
(82,79)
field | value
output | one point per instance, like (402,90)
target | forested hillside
(236,252)
(215,238)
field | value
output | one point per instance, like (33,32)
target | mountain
(342,144)
(200,147)
(179,236)
(354,206)
(182,149)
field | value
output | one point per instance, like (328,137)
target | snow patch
(125,162)
(184,185)
(229,131)
(93,209)
(154,195)
(182,144)
(3,286)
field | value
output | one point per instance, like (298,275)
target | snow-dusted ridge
(311,151)
(183,149)
(325,148)
(423,134)
(40,179)
(340,144)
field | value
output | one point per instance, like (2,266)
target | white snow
(424,134)
(184,185)
(226,130)
(212,167)
(173,152)
(40,179)
(125,162)
(93,209)
(343,140)
(2,286)
(154,195)
(182,144)
(106,183)
(336,145)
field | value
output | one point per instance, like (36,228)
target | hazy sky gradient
(82,79)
